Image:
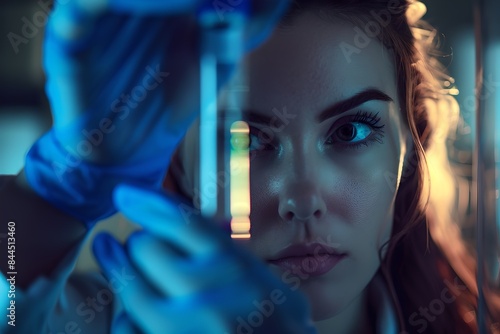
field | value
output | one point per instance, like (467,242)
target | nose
(301,202)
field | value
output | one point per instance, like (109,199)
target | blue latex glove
(120,77)
(189,277)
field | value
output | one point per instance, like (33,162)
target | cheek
(369,207)
(372,185)
(369,198)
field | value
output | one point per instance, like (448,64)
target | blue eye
(354,131)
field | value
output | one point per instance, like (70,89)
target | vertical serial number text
(11,273)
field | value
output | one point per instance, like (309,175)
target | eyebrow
(354,101)
(371,94)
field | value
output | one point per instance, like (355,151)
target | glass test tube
(222,48)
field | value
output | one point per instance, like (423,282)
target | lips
(312,259)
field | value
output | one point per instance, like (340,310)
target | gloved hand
(190,277)
(123,82)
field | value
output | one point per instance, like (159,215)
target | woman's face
(327,140)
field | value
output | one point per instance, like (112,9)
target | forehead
(315,62)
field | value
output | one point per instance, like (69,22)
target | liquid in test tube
(223,47)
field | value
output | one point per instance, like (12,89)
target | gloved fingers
(164,218)
(151,312)
(188,256)
(177,275)
(135,292)
(123,72)
(194,236)
(159,263)
(75,22)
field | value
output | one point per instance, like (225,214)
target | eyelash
(363,117)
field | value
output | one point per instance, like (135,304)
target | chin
(328,294)
(326,300)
